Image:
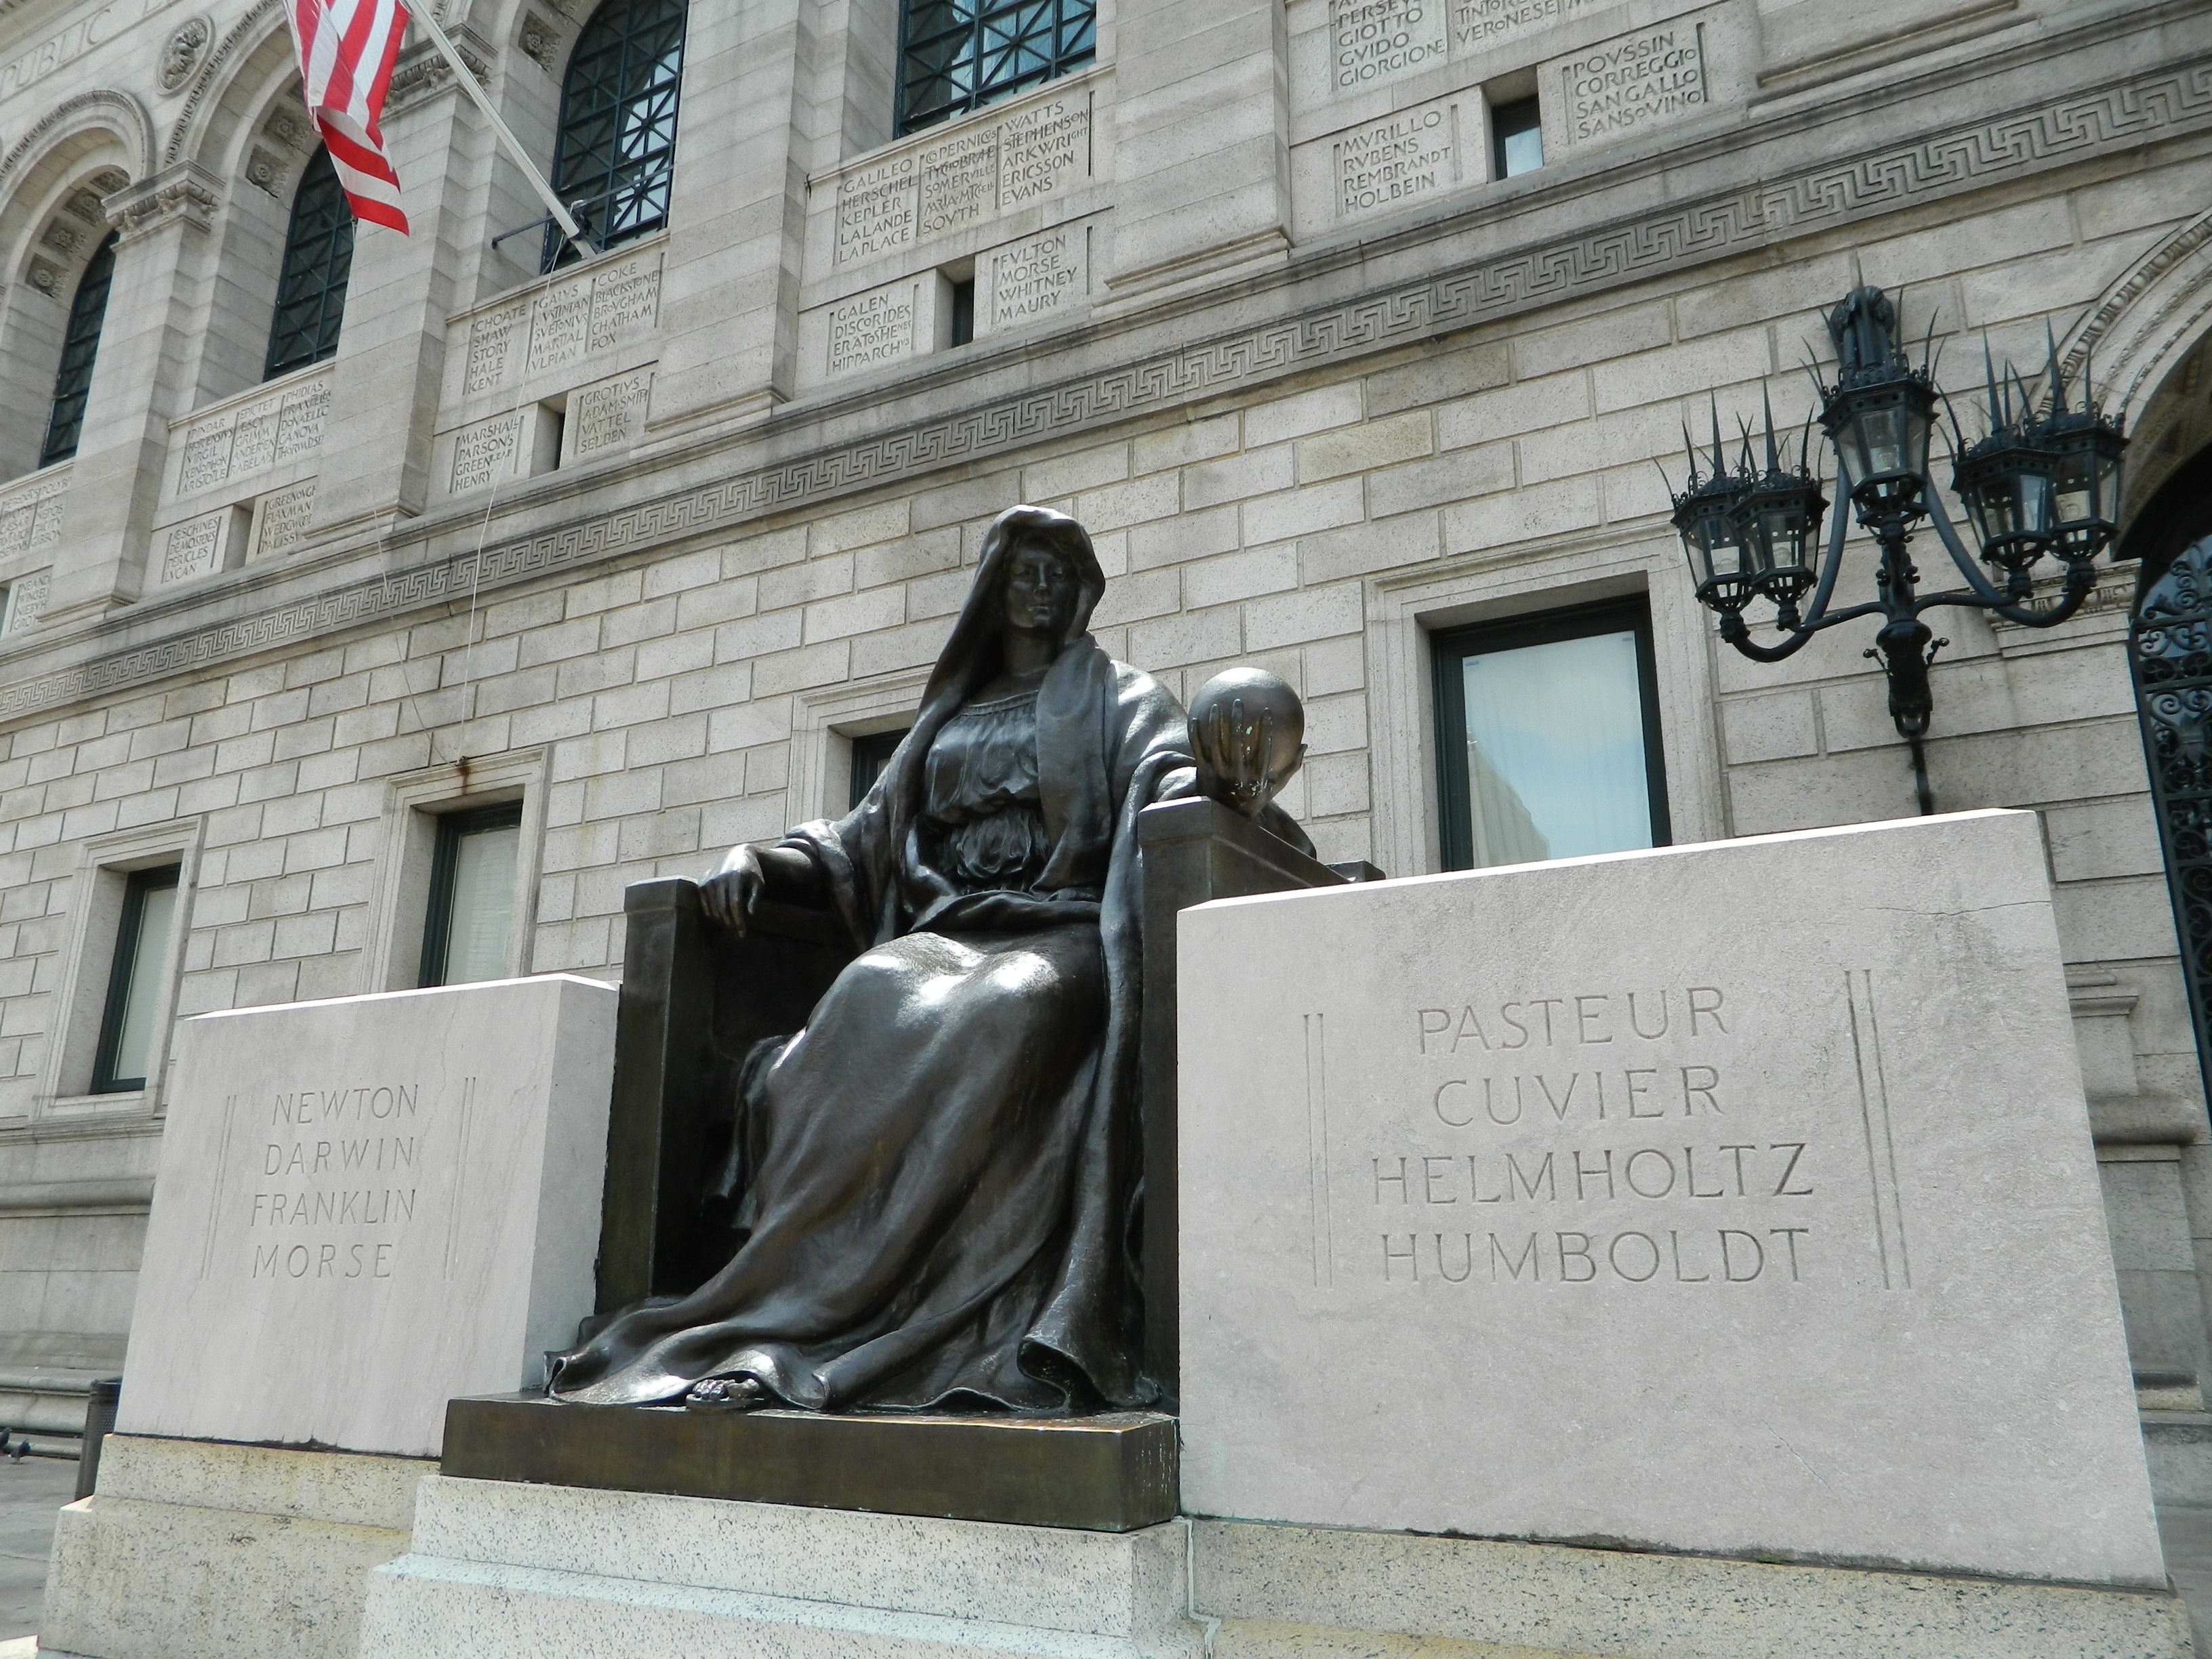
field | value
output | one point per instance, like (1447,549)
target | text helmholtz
(1586,1137)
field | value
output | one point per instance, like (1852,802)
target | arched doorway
(2170,658)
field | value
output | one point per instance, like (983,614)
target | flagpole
(466,76)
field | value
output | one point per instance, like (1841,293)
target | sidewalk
(30,1492)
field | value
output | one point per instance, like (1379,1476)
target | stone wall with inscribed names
(548,341)
(1417,82)
(1680,1233)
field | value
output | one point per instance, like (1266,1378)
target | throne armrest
(1193,849)
(694,999)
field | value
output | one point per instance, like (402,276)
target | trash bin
(99,1418)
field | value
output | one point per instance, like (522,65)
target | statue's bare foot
(727,1394)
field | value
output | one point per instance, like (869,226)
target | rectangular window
(134,980)
(468,929)
(1516,138)
(1549,729)
(871,754)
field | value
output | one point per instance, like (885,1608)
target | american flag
(346,51)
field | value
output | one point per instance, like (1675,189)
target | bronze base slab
(1112,1472)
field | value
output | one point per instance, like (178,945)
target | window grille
(318,260)
(80,345)
(617,153)
(958,55)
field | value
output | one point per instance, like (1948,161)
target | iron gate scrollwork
(2170,654)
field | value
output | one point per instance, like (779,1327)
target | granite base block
(198,1548)
(1278,1591)
(499,1570)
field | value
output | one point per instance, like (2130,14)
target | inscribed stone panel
(561,325)
(624,303)
(1649,78)
(193,549)
(1044,150)
(1372,41)
(1386,164)
(26,601)
(367,1206)
(874,329)
(1037,277)
(1481,23)
(876,209)
(253,442)
(1561,1203)
(608,414)
(300,427)
(488,337)
(281,519)
(207,458)
(486,451)
(959,181)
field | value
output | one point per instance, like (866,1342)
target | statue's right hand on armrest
(746,874)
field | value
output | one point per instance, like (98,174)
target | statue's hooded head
(971,656)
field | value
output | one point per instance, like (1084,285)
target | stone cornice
(186,191)
(797,462)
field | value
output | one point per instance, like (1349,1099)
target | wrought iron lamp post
(2035,485)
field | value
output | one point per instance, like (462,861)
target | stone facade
(649,541)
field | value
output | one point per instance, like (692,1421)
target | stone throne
(694,1000)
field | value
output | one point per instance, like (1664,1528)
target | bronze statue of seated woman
(940,1173)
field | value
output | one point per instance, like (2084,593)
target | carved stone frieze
(423,72)
(541,42)
(2168,100)
(188,192)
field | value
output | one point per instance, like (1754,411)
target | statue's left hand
(728,895)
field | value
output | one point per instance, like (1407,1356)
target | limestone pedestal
(192,1547)
(499,1570)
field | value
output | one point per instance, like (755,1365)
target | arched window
(958,55)
(318,258)
(80,345)
(617,148)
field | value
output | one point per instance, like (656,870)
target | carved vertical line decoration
(1880,1145)
(460,1174)
(1324,1251)
(214,1186)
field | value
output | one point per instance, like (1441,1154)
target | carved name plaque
(975,172)
(1638,81)
(873,330)
(367,1206)
(1494,22)
(1561,1202)
(1376,40)
(1390,162)
(1038,277)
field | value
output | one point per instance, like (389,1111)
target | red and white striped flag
(346,51)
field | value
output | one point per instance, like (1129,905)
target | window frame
(907,121)
(414,804)
(94,906)
(1448,649)
(327,332)
(75,334)
(557,250)
(452,828)
(123,966)
(871,751)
